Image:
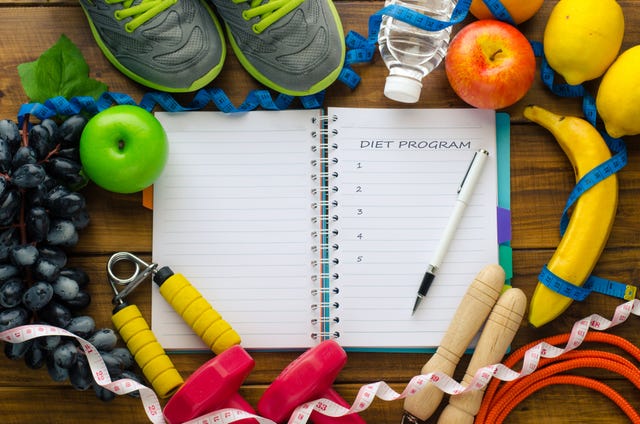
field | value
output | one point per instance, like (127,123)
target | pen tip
(415,305)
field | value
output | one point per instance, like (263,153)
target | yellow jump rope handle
(148,353)
(196,311)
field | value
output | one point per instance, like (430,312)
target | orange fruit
(520,10)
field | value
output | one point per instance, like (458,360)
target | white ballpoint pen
(465,191)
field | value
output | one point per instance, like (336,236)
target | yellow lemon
(583,37)
(618,99)
(520,10)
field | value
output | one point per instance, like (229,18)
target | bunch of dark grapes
(41,212)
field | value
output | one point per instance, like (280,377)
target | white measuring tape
(98,367)
(366,394)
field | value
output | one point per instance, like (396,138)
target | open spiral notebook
(298,226)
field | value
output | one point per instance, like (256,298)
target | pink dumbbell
(211,387)
(307,378)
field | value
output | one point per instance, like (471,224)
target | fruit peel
(124,149)
(520,11)
(582,38)
(618,98)
(593,213)
(490,64)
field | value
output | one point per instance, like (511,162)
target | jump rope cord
(499,402)
(525,387)
(570,380)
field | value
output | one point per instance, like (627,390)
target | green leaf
(59,71)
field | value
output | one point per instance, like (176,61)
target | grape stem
(25,142)
(51,153)
(22,225)
(25,131)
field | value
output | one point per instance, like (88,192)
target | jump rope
(500,399)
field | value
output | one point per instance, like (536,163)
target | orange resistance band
(499,401)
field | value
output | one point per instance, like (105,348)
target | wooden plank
(53,405)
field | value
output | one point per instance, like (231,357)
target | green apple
(123,149)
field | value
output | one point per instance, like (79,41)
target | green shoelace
(140,12)
(268,11)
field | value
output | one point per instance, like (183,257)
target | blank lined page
(232,214)
(398,174)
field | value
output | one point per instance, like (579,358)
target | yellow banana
(592,217)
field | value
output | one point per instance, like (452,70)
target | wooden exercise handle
(498,333)
(473,310)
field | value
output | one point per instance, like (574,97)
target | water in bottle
(411,53)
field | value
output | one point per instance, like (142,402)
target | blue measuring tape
(498,11)
(616,145)
(256,98)
(593,284)
(617,161)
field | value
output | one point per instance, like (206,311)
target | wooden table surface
(541,179)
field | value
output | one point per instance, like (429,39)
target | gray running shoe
(168,45)
(295,47)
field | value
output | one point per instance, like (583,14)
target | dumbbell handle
(497,335)
(205,321)
(148,353)
(472,311)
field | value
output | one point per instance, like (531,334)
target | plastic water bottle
(411,53)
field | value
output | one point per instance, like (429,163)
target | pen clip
(466,174)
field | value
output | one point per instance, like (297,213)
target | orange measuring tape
(501,397)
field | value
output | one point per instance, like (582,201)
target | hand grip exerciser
(141,342)
(183,298)
(497,334)
(211,387)
(308,377)
(472,311)
(208,324)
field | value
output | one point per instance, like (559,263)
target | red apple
(490,64)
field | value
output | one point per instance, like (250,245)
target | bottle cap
(402,89)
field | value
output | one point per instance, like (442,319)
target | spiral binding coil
(324,291)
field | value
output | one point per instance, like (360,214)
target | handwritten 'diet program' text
(415,144)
